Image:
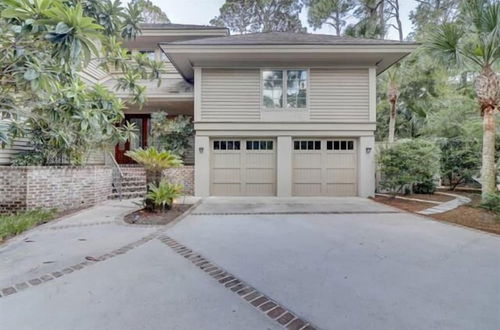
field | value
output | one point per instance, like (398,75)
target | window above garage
(284,89)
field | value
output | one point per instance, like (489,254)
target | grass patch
(11,225)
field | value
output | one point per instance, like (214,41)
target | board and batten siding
(230,95)
(340,95)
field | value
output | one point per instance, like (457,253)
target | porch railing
(117,176)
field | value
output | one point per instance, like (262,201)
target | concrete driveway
(333,263)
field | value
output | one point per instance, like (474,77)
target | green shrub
(425,187)
(492,203)
(409,163)
(160,197)
(154,162)
(28,158)
(11,225)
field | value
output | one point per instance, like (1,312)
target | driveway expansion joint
(298,212)
(259,301)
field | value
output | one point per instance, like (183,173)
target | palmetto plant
(154,162)
(163,194)
(474,41)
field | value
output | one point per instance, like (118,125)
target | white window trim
(284,101)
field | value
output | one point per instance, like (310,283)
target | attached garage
(243,167)
(324,167)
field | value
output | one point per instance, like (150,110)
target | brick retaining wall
(183,175)
(62,187)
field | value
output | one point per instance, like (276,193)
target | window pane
(223,145)
(343,145)
(350,145)
(303,145)
(229,145)
(269,145)
(272,88)
(255,145)
(262,145)
(329,145)
(310,145)
(216,145)
(336,145)
(317,145)
(296,145)
(296,88)
(236,145)
(249,145)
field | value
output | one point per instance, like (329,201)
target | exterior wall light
(200,149)
(368,150)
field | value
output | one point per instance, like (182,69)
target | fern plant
(160,197)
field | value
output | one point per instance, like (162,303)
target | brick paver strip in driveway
(258,300)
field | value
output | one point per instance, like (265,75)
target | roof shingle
(287,38)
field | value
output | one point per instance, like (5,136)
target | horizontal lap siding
(9,152)
(230,94)
(339,95)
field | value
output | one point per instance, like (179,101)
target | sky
(202,11)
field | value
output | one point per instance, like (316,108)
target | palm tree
(474,41)
(392,96)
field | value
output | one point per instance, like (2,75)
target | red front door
(141,141)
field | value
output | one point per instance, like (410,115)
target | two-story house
(275,114)
(284,114)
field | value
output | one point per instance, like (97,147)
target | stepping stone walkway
(446,206)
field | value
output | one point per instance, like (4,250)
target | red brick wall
(62,187)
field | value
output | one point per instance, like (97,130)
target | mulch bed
(144,217)
(466,215)
(410,206)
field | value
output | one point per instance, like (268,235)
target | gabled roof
(288,38)
(173,26)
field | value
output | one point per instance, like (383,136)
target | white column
(201,166)
(284,166)
(366,166)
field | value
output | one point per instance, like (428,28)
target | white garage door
(324,167)
(243,167)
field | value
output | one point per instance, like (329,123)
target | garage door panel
(226,175)
(260,189)
(226,189)
(307,189)
(341,190)
(243,167)
(260,160)
(226,160)
(341,175)
(260,175)
(340,160)
(307,160)
(325,167)
(307,175)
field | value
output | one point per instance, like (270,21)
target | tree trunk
(487,93)
(392,121)
(488,168)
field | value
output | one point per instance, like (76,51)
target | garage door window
(226,145)
(259,145)
(340,145)
(307,145)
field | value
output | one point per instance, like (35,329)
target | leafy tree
(474,40)
(429,13)
(244,16)
(172,134)
(371,22)
(330,12)
(46,44)
(394,12)
(150,13)
(408,163)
